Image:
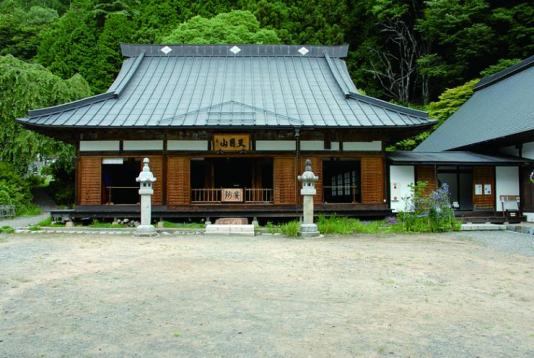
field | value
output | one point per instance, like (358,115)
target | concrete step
(244,230)
(482,227)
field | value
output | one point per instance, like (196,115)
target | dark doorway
(254,176)
(341,181)
(118,180)
(460,182)
(232,172)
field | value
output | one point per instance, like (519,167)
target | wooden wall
(178,180)
(484,175)
(173,172)
(156,165)
(372,180)
(427,173)
(284,180)
(90,180)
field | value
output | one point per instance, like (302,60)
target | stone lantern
(145,180)
(308,180)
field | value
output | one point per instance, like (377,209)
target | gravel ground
(24,221)
(507,241)
(450,295)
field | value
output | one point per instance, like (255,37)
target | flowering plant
(428,211)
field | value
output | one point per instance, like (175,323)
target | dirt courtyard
(449,295)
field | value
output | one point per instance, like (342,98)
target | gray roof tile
(452,157)
(263,85)
(502,105)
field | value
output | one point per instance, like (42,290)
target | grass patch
(6,230)
(30,210)
(338,225)
(190,225)
(290,228)
(49,223)
(34,227)
(344,226)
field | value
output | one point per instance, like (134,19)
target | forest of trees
(426,54)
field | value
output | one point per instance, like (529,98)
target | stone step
(482,227)
(226,229)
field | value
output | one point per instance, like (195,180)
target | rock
(231,221)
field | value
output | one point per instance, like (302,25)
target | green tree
(118,28)
(25,86)
(69,45)
(234,27)
(20,28)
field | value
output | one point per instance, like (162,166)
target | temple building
(227,129)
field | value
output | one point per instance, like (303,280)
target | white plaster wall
(311,145)
(275,145)
(400,178)
(362,146)
(99,145)
(142,145)
(528,150)
(187,145)
(506,183)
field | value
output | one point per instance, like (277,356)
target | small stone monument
(308,180)
(146,178)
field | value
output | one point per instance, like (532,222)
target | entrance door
(460,182)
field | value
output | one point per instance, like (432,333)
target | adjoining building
(227,129)
(485,150)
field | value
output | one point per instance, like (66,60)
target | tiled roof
(230,85)
(502,105)
(451,157)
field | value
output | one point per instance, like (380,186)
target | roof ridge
(233,50)
(507,72)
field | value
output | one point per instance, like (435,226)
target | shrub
(61,188)
(428,212)
(15,190)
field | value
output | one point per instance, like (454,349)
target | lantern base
(308,230)
(146,230)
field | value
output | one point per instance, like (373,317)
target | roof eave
(393,107)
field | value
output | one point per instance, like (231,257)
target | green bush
(428,212)
(15,190)
(61,188)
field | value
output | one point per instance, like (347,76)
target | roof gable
(230,113)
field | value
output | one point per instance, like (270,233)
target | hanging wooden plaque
(231,142)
